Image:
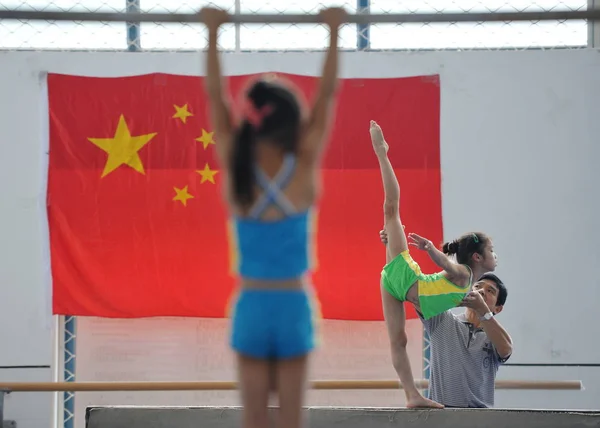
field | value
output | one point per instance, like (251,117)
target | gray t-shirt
(463,362)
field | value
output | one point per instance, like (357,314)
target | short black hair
(502,291)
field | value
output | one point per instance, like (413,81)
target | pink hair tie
(256,115)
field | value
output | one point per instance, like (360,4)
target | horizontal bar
(28,15)
(230,386)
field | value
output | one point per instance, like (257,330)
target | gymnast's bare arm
(215,90)
(319,118)
(458,272)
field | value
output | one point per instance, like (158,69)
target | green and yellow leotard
(436,293)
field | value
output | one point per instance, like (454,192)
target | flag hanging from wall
(138,226)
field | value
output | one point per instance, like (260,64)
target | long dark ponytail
(272,114)
(242,164)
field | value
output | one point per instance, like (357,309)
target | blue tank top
(274,249)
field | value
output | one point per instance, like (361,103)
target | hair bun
(450,247)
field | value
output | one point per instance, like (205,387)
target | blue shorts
(273,324)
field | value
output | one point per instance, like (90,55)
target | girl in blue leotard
(271,161)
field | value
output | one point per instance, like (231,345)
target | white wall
(519,130)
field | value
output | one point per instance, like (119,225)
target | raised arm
(439,258)
(213,82)
(493,329)
(320,114)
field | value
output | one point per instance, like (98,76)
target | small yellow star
(181,112)
(207,174)
(182,195)
(206,139)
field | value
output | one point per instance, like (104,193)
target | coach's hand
(383,236)
(474,300)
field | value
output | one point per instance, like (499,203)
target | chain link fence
(91,36)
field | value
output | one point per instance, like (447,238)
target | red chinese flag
(138,226)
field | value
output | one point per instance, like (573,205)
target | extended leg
(391,206)
(393,309)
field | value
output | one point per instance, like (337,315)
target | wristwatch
(486,317)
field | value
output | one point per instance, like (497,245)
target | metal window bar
(363,38)
(594,27)
(555,15)
(134,42)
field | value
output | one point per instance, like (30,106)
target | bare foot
(379,144)
(420,402)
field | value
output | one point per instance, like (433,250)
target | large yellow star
(182,195)
(207,174)
(206,139)
(181,112)
(123,148)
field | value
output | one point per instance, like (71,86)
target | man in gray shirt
(468,349)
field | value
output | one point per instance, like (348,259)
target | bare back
(285,190)
(301,190)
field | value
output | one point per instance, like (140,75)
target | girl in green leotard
(402,279)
